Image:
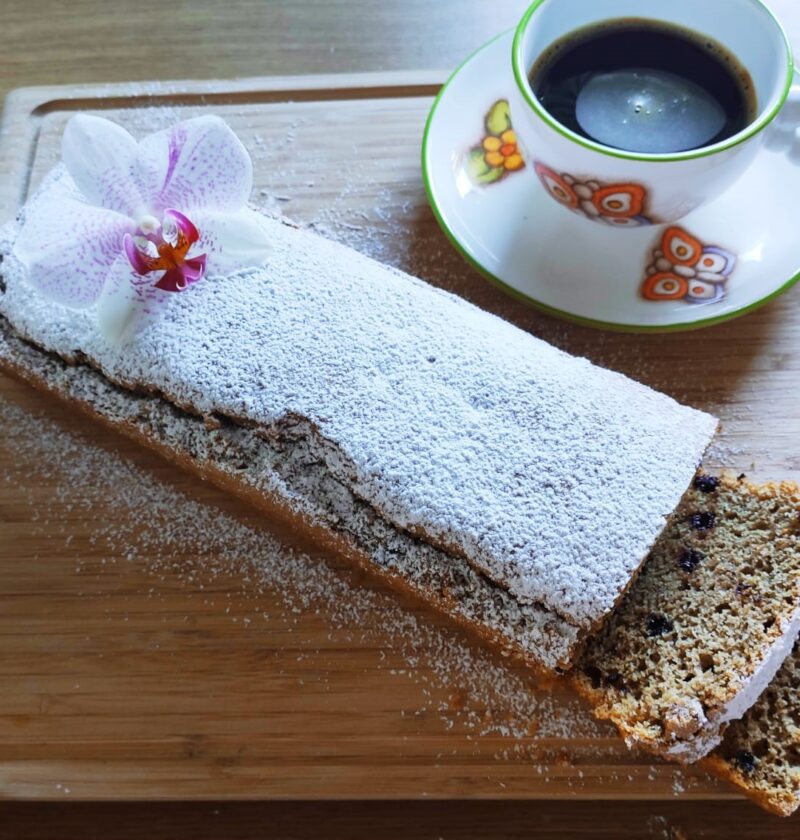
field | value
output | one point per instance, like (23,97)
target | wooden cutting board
(159,640)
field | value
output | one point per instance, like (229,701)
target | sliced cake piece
(707,624)
(761,752)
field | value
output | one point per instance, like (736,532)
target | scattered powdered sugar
(661,828)
(241,567)
(720,452)
(204,544)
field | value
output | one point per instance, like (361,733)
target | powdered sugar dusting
(451,422)
(204,545)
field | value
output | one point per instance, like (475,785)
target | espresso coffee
(644,86)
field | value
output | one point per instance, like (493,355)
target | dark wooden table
(53,41)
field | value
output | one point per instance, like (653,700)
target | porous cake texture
(708,622)
(761,752)
(453,426)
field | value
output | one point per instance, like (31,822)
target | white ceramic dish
(727,258)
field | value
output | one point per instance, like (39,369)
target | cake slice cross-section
(761,752)
(708,622)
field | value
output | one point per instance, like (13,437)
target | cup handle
(784,133)
(791,110)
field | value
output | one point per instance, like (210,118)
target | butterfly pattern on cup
(682,268)
(498,154)
(618,205)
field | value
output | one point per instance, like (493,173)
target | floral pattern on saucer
(685,269)
(523,241)
(498,154)
(620,205)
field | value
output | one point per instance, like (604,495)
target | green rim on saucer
(515,293)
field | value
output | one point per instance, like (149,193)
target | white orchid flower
(142,221)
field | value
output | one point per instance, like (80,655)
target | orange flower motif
(619,205)
(664,286)
(620,200)
(559,188)
(503,151)
(683,268)
(680,247)
(498,154)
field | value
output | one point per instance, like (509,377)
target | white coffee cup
(626,188)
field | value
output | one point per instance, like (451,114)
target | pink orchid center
(171,257)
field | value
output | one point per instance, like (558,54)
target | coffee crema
(644,86)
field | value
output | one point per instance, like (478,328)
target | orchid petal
(184,225)
(68,246)
(195,269)
(102,159)
(232,241)
(141,263)
(127,306)
(196,164)
(173,281)
(179,279)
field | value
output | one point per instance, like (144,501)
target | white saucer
(743,246)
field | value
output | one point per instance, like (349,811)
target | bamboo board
(143,660)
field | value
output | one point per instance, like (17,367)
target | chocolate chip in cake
(690,560)
(594,674)
(431,359)
(741,476)
(706,483)
(746,761)
(704,521)
(657,625)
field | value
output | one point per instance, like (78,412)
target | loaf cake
(761,752)
(708,622)
(433,444)
(479,467)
